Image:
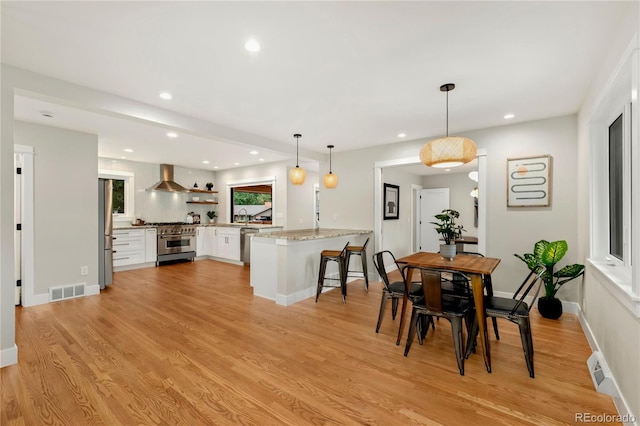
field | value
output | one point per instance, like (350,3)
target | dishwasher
(245,244)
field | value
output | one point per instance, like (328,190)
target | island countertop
(312,234)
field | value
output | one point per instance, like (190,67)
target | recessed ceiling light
(172,134)
(447,170)
(402,135)
(236,164)
(46,114)
(128,150)
(166,95)
(508,116)
(215,167)
(252,45)
(261,159)
(114,161)
(123,158)
(254,152)
(205,161)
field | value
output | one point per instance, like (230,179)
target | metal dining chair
(516,310)
(436,303)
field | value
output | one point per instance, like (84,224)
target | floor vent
(601,375)
(66,292)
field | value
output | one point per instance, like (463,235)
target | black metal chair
(362,252)
(515,310)
(338,256)
(391,290)
(437,303)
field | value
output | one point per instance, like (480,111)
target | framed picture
(529,181)
(391,203)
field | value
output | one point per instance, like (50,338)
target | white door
(432,202)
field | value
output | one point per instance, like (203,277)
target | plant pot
(212,221)
(448,251)
(550,307)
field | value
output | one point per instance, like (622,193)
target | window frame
(129,191)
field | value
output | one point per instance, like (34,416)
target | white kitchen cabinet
(229,243)
(202,243)
(151,245)
(128,247)
(212,239)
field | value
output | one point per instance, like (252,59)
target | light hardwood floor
(188,344)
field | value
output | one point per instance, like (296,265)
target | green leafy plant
(211,214)
(446,225)
(549,254)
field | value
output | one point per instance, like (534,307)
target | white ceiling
(352,74)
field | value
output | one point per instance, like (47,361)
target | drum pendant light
(450,151)
(330,180)
(297,175)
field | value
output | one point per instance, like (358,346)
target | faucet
(245,215)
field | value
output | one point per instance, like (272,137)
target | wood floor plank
(189,344)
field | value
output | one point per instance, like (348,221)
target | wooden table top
(462,263)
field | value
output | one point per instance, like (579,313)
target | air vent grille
(66,292)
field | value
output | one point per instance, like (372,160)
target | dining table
(475,267)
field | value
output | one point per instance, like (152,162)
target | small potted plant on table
(549,254)
(212,216)
(449,230)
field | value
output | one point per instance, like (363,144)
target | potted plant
(549,254)
(212,216)
(447,227)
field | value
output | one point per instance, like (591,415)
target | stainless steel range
(175,241)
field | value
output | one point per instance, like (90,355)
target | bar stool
(338,256)
(362,252)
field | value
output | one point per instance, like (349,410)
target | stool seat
(362,252)
(340,257)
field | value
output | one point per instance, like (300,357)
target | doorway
(431,202)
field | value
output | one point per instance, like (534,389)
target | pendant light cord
(447,113)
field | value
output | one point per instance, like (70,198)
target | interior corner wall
(65,204)
(460,199)
(301,201)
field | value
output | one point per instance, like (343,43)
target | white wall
(66,204)
(159,206)
(460,186)
(300,202)
(396,233)
(615,328)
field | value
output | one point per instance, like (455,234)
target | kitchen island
(284,264)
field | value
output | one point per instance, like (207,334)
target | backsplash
(158,206)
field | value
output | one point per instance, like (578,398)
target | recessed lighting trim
(254,152)
(127,150)
(236,164)
(509,116)
(402,135)
(123,158)
(172,135)
(166,96)
(261,159)
(447,170)
(205,161)
(216,167)
(252,45)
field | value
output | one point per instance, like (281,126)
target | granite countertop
(116,227)
(312,234)
(241,225)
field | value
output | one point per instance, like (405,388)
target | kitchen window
(252,203)
(123,193)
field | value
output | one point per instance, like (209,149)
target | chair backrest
(471,253)
(434,297)
(378,262)
(364,246)
(531,285)
(343,253)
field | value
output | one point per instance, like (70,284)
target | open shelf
(204,191)
(202,202)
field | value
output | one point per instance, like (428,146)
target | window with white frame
(123,193)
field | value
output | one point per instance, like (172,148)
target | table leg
(478,297)
(409,276)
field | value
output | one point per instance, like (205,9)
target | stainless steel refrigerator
(105,229)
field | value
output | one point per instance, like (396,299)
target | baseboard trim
(9,356)
(290,299)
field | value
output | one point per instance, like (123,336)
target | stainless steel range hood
(167,184)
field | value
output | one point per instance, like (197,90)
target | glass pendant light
(450,151)
(297,175)
(330,180)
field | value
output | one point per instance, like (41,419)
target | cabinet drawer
(122,258)
(122,244)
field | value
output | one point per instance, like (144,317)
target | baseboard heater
(601,375)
